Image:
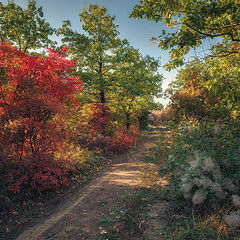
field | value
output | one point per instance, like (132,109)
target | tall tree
(93,52)
(138,82)
(115,74)
(191,22)
(25,28)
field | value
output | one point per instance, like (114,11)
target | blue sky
(137,32)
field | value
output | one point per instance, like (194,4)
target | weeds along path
(78,218)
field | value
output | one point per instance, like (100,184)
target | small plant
(50,236)
(116,212)
(105,222)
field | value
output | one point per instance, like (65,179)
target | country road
(78,218)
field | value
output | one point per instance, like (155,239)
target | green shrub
(204,162)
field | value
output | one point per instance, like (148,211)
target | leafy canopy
(93,52)
(25,28)
(191,22)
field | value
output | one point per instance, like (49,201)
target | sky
(137,32)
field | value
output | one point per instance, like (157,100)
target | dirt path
(78,218)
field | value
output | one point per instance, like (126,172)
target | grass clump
(196,226)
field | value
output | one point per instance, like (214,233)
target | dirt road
(78,218)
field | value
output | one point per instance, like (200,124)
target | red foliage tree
(32,90)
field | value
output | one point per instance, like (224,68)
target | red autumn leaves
(32,90)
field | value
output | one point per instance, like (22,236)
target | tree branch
(213,35)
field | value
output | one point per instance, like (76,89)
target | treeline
(62,109)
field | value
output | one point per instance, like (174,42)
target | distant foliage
(158,117)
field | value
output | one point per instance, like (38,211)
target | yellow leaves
(172,23)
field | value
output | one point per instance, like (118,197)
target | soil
(78,216)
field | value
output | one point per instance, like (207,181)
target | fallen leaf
(103,232)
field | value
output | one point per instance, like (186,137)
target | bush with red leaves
(41,172)
(100,119)
(123,140)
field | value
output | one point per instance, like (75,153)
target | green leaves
(25,28)
(194,22)
(100,27)
(94,53)
(115,73)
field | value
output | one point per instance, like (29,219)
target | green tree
(115,73)
(191,22)
(25,28)
(208,89)
(93,52)
(138,83)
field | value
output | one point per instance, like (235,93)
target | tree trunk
(102,96)
(127,121)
